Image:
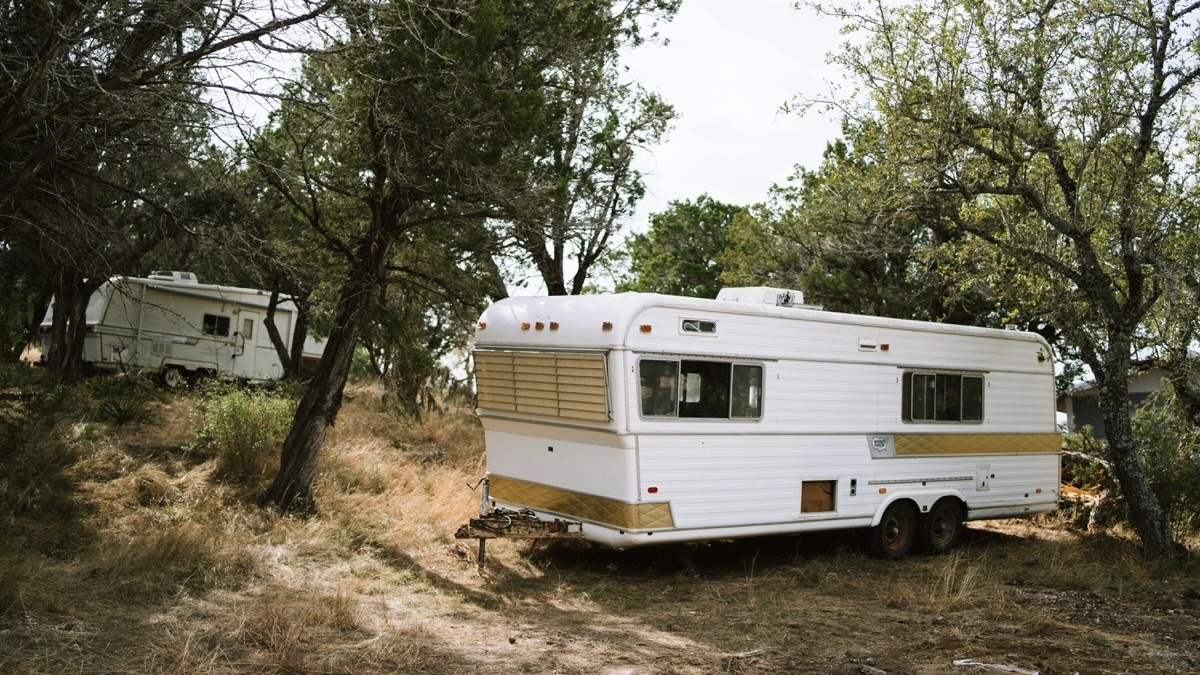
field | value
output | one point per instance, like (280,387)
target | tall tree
(681,252)
(1059,125)
(585,183)
(422,115)
(855,240)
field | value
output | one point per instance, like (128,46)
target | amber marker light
(607,325)
(645,328)
(524,325)
(553,325)
(1038,491)
(539,325)
(884,347)
(883,491)
(482,325)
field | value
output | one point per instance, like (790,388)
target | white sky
(727,68)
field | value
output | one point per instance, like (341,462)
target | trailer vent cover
(572,386)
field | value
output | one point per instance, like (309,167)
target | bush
(13,375)
(243,430)
(1169,447)
(120,400)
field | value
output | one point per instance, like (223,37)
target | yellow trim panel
(624,515)
(910,445)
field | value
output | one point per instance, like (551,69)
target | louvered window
(540,383)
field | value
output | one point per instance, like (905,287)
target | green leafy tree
(681,253)
(853,241)
(584,184)
(419,117)
(1058,127)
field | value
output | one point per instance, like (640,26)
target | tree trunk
(299,335)
(291,360)
(1148,518)
(281,350)
(41,305)
(65,361)
(292,488)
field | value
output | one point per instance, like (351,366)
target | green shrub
(120,400)
(243,429)
(14,375)
(1169,447)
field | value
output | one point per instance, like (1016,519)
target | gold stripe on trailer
(910,445)
(624,515)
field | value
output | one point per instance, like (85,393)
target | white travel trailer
(170,324)
(651,419)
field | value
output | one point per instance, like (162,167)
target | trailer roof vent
(168,275)
(763,295)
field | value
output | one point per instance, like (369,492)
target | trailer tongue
(508,524)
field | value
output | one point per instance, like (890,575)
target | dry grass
(126,551)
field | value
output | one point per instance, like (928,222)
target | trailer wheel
(895,534)
(173,377)
(942,526)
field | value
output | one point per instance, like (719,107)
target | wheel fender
(922,502)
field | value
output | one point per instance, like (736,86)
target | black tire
(174,377)
(942,527)
(895,534)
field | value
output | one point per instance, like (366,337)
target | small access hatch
(817,496)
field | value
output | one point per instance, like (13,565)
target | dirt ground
(146,561)
(1012,597)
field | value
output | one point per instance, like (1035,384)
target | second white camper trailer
(170,324)
(644,419)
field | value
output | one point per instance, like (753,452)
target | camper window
(659,381)
(700,389)
(747,392)
(698,326)
(215,324)
(942,397)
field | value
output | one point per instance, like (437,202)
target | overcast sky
(727,68)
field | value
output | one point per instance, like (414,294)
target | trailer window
(942,397)
(747,392)
(215,324)
(660,382)
(700,389)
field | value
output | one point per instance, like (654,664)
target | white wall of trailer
(829,381)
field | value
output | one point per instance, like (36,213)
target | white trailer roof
(579,322)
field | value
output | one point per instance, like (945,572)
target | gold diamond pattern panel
(542,383)
(976,444)
(639,516)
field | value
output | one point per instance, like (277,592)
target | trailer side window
(942,397)
(706,393)
(700,389)
(747,392)
(215,324)
(659,384)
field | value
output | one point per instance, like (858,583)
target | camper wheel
(895,534)
(941,527)
(173,377)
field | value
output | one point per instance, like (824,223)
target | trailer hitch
(495,523)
